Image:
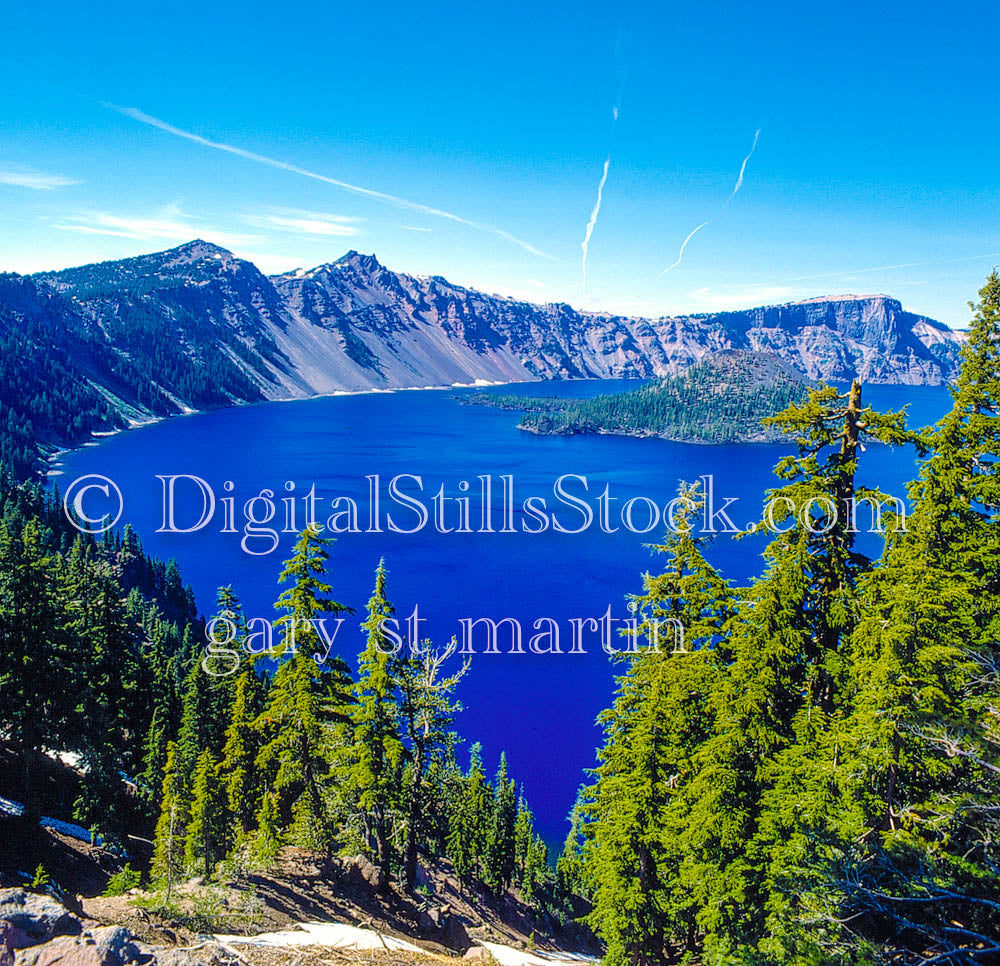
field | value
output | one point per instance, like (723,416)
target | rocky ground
(76,925)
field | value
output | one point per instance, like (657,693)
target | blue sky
(481,132)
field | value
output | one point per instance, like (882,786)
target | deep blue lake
(539,708)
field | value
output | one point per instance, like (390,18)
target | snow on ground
(508,956)
(336,935)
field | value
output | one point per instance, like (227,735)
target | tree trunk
(411,823)
(384,855)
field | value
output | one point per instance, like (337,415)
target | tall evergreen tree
(238,767)
(498,853)
(206,834)
(910,861)
(34,712)
(472,819)
(175,812)
(375,754)
(639,871)
(427,710)
(103,640)
(304,702)
(530,854)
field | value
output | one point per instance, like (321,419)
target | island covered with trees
(723,399)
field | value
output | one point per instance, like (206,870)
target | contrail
(680,254)
(585,244)
(743,167)
(380,196)
(616,111)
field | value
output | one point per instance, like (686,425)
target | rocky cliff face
(208,328)
(399,329)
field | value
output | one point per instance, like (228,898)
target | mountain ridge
(196,327)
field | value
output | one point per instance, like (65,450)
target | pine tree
(570,865)
(103,638)
(168,849)
(427,710)
(638,865)
(199,727)
(205,840)
(375,754)
(498,859)
(239,754)
(524,834)
(472,820)
(162,721)
(304,703)
(266,837)
(34,712)
(782,695)
(911,828)
(530,855)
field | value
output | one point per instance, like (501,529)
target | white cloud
(169,224)
(37,180)
(379,196)
(304,222)
(414,228)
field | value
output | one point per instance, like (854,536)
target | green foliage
(228,767)
(371,765)
(724,398)
(40,880)
(206,837)
(238,770)
(306,702)
(123,881)
(426,709)
(472,820)
(817,778)
(77,620)
(498,853)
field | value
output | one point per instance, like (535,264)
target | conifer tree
(910,836)
(168,848)
(304,702)
(266,837)
(570,865)
(32,642)
(530,854)
(472,819)
(498,859)
(205,841)
(427,710)
(524,833)
(199,728)
(375,754)
(638,869)
(103,639)
(778,701)
(162,718)
(238,769)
